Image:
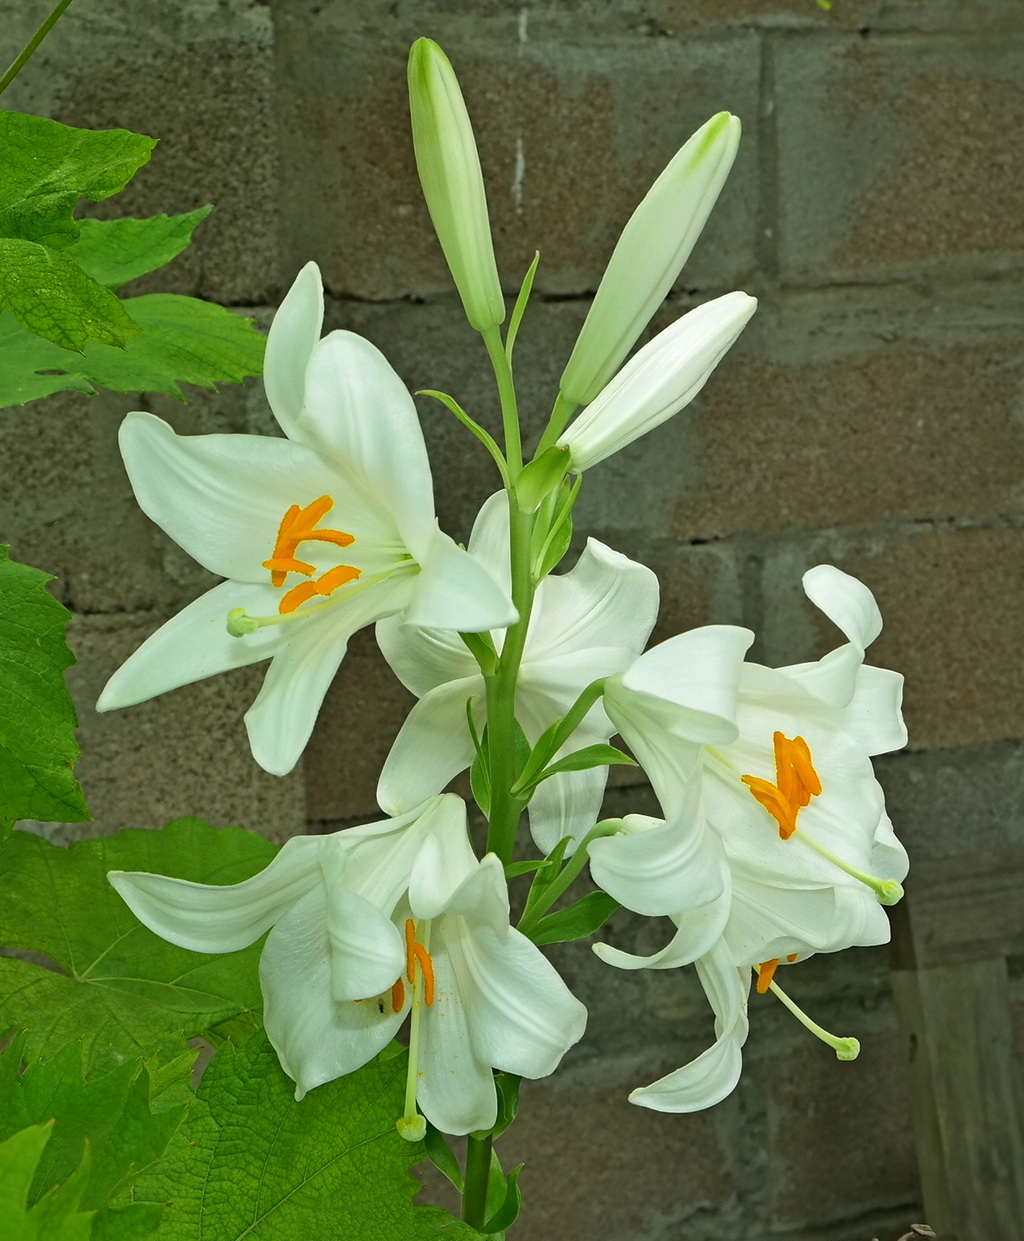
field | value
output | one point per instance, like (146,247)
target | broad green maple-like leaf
(183,339)
(56,1216)
(124,992)
(52,297)
(37,718)
(116,251)
(251,1162)
(112,1112)
(47,167)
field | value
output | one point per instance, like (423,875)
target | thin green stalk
(478,1168)
(507,395)
(29,50)
(503,820)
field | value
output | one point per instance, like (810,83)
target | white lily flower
(649,255)
(586,624)
(372,925)
(662,378)
(318,534)
(783,804)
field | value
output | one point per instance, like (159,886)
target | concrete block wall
(871,416)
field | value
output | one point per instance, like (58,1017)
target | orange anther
(281,566)
(765,974)
(298,525)
(427,968)
(338,576)
(792,957)
(398,996)
(410,944)
(773,800)
(297,596)
(800,757)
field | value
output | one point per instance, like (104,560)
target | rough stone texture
(897,157)
(184,753)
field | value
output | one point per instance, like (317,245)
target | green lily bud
(453,185)
(649,255)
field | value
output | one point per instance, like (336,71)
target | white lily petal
(423,659)
(316,1037)
(357,411)
(222,918)
(567,804)
(293,334)
(671,868)
(833,678)
(367,951)
(697,932)
(697,672)
(220,497)
(489,539)
(433,746)
(195,644)
(845,601)
(889,859)
(658,381)
(445,860)
(456,1086)
(606,601)
(714,1074)
(874,717)
(454,591)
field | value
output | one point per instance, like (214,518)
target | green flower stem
(478,1168)
(507,394)
(505,809)
(29,49)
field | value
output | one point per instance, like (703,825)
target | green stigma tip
(890,892)
(239,623)
(413,1130)
(847,1048)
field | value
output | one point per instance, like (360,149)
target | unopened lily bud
(453,185)
(660,380)
(649,255)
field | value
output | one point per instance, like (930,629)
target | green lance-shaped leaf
(251,1162)
(56,1216)
(116,251)
(52,297)
(126,1135)
(453,185)
(183,340)
(48,167)
(578,921)
(37,718)
(124,991)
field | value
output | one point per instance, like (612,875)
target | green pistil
(845,1048)
(412,1126)
(888,891)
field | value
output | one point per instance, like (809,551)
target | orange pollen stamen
(792,957)
(765,974)
(298,525)
(416,954)
(796,782)
(324,585)
(398,996)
